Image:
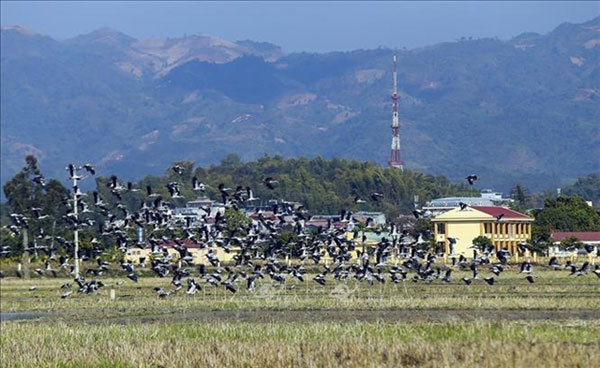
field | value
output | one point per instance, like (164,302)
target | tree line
(322,186)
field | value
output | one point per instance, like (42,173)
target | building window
(487,228)
(441,228)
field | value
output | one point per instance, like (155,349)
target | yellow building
(505,228)
(198,254)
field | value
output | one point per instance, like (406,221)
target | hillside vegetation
(522,110)
(323,186)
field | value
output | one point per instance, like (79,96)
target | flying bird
(269,182)
(471,178)
(89,168)
(177,169)
(376,196)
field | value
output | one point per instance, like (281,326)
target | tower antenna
(395,160)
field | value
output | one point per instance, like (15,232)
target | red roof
(497,211)
(581,235)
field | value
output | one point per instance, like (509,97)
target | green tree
(570,243)
(22,194)
(587,187)
(481,242)
(521,196)
(236,222)
(566,213)
(540,234)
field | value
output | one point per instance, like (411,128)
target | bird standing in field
(529,278)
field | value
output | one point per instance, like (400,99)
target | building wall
(198,254)
(464,232)
(504,235)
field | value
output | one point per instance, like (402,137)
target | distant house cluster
(456,222)
(203,211)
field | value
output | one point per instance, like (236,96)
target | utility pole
(76,233)
(25,254)
(74,177)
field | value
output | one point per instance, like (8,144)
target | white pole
(76,233)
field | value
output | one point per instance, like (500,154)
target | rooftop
(593,236)
(497,211)
(481,213)
(454,201)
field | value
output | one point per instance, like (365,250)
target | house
(586,237)
(378,217)
(505,228)
(197,210)
(198,252)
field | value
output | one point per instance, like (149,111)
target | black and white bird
(89,168)
(526,267)
(130,187)
(358,200)
(529,278)
(418,213)
(39,179)
(471,178)
(177,169)
(197,185)
(270,182)
(376,196)
(250,195)
(554,263)
(72,172)
(150,193)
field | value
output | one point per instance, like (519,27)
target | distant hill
(525,109)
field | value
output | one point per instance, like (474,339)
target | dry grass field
(554,322)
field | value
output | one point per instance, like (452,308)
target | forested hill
(323,186)
(522,110)
(587,187)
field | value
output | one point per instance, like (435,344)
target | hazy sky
(302,26)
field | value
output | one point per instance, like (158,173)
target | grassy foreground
(554,322)
(320,344)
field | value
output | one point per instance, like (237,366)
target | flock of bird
(259,245)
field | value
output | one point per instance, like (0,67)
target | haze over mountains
(526,109)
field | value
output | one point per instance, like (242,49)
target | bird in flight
(471,178)
(269,182)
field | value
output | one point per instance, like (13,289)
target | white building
(487,198)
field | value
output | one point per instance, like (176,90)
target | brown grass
(476,344)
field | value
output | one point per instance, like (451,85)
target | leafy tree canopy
(570,243)
(323,186)
(481,242)
(567,213)
(587,187)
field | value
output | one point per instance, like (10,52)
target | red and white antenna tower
(395,160)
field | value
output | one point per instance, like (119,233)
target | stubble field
(553,322)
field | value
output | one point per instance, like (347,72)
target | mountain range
(520,110)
